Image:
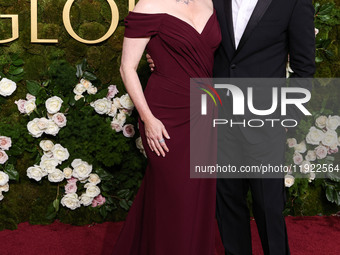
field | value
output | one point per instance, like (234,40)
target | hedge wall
(28,201)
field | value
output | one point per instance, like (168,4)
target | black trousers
(268,195)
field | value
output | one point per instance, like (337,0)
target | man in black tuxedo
(266,32)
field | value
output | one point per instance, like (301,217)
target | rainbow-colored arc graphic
(211,95)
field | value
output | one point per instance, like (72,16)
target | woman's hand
(155,133)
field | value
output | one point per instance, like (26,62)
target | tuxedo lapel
(226,23)
(260,8)
(229,19)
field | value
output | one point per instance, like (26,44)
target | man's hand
(150,61)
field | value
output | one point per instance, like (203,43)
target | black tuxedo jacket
(275,29)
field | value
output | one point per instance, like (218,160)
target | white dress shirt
(242,10)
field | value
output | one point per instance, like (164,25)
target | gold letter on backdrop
(68,26)
(34,25)
(15,27)
(132,4)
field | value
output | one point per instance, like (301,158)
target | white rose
(59,119)
(4,178)
(77,97)
(305,167)
(52,128)
(126,102)
(289,180)
(320,122)
(128,130)
(35,172)
(126,111)
(29,106)
(121,118)
(48,164)
(333,122)
(70,201)
(115,125)
(4,188)
(42,123)
(321,152)
(92,190)
(113,111)
(68,172)
(60,153)
(94,179)
(1,196)
(81,169)
(85,199)
(86,83)
(116,102)
(330,138)
(297,158)
(7,87)
(46,145)
(92,90)
(311,176)
(53,104)
(102,106)
(311,155)
(79,89)
(301,147)
(56,176)
(314,136)
(34,129)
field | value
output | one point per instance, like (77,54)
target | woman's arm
(133,49)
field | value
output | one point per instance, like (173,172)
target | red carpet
(307,235)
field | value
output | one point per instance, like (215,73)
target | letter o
(69,29)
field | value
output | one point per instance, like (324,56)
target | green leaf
(318,59)
(89,76)
(51,212)
(103,211)
(124,193)
(325,9)
(12,173)
(18,62)
(56,203)
(33,87)
(123,203)
(329,193)
(79,72)
(15,70)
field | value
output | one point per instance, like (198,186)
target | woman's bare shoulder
(150,6)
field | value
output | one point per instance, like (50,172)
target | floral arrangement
(5,144)
(54,155)
(117,108)
(314,155)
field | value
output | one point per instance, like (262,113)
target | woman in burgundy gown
(172,214)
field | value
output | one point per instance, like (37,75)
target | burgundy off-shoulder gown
(172,214)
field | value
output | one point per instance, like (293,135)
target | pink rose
(70,188)
(72,180)
(98,200)
(30,97)
(128,130)
(112,91)
(115,125)
(297,158)
(333,151)
(59,119)
(5,142)
(3,157)
(321,152)
(21,105)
